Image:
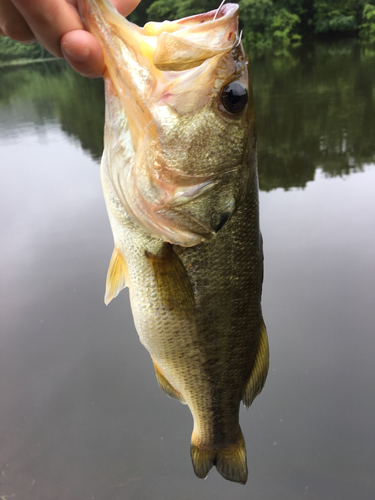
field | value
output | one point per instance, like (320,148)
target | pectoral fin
(174,289)
(116,276)
(259,372)
(166,386)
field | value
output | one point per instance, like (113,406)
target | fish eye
(234,97)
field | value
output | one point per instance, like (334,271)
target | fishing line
(218,10)
(239,38)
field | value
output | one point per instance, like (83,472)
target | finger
(83,53)
(12,24)
(125,7)
(49,20)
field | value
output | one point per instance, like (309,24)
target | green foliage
(282,27)
(336,23)
(256,18)
(337,16)
(367,28)
(177,9)
(11,50)
(268,26)
(139,15)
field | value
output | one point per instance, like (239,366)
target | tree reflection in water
(315,108)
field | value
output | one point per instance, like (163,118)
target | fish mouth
(155,75)
(187,43)
(164,46)
(151,64)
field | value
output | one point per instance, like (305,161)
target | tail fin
(230,461)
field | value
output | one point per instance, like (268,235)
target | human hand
(57,26)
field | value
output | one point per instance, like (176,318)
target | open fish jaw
(166,81)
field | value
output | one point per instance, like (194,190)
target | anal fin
(166,386)
(259,372)
(116,276)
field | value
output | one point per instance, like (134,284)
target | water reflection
(80,412)
(315,108)
(44,93)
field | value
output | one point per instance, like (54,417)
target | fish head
(180,142)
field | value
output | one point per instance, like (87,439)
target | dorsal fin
(260,369)
(116,276)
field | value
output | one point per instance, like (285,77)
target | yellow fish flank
(179,174)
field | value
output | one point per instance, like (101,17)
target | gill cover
(173,154)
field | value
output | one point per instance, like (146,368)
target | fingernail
(77,54)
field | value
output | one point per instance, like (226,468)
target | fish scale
(179,175)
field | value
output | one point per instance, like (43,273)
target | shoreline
(22,62)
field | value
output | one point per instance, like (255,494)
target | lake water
(81,416)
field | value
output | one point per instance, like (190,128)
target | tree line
(11,50)
(315,109)
(267,24)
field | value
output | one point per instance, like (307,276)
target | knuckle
(18,31)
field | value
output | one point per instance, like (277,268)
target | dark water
(81,416)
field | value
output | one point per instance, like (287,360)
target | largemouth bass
(179,174)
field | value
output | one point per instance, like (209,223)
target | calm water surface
(81,416)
